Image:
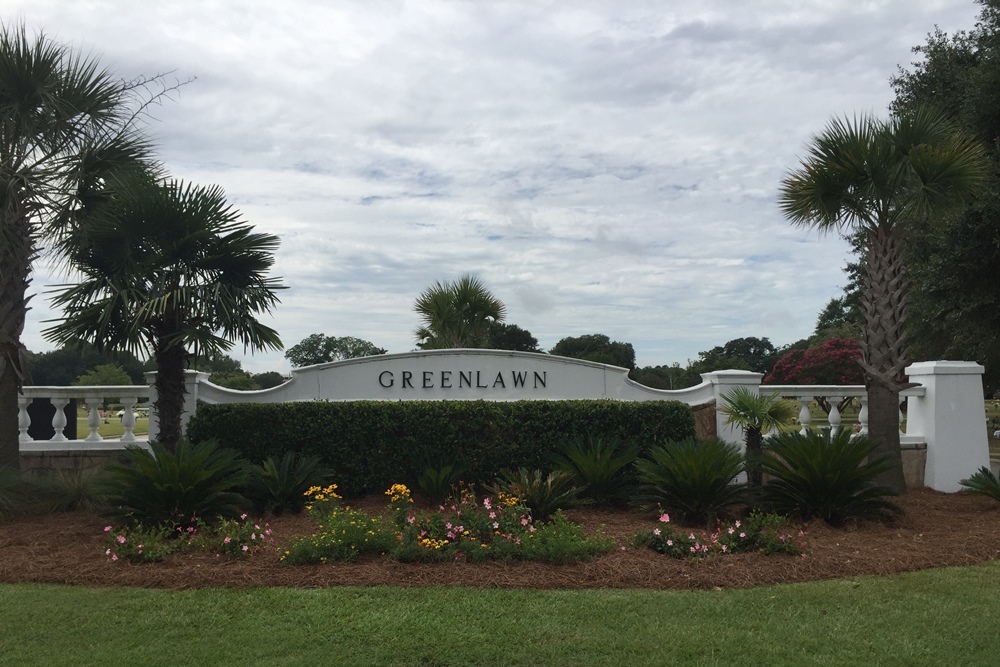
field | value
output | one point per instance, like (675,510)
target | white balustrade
(835,395)
(93,398)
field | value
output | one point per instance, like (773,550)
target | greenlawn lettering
(463,379)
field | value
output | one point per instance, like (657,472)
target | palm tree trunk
(755,445)
(170,391)
(884,303)
(15,264)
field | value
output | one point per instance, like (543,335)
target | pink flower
(496,524)
(246,548)
(724,548)
(730,530)
(493,515)
(524,521)
(670,543)
(656,531)
(486,503)
(227,540)
(114,557)
(531,529)
(665,518)
(107,529)
(743,534)
(120,539)
(243,516)
(738,524)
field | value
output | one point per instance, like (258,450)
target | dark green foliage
(174,488)
(983,482)
(561,541)
(542,494)
(280,487)
(58,490)
(601,467)
(598,348)
(826,477)
(373,444)
(691,479)
(438,479)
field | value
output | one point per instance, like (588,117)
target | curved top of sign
(458,374)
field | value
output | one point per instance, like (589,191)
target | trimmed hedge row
(372,444)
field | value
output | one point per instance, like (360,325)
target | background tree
(457,314)
(660,377)
(596,347)
(876,178)
(953,260)
(105,375)
(65,123)
(61,367)
(268,379)
(320,349)
(834,361)
(172,269)
(511,337)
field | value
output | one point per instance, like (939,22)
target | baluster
(59,418)
(23,419)
(128,419)
(805,417)
(93,418)
(863,416)
(834,415)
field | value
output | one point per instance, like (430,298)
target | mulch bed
(937,530)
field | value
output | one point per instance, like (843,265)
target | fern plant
(830,477)
(542,494)
(160,487)
(694,480)
(602,468)
(983,482)
(280,487)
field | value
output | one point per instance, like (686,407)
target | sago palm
(457,314)
(874,177)
(170,269)
(64,122)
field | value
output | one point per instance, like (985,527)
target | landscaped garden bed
(936,530)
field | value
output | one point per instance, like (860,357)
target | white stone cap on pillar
(944,368)
(733,377)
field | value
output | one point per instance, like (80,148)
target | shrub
(165,488)
(542,494)
(280,487)
(561,541)
(763,533)
(983,482)
(601,467)
(695,480)
(830,477)
(62,490)
(438,478)
(240,538)
(343,535)
(372,444)
(140,544)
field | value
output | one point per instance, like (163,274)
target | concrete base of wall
(69,460)
(914,464)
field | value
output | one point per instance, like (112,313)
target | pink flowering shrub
(241,538)
(138,544)
(764,533)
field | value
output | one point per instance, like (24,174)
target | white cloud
(604,167)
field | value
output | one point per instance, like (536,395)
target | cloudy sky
(604,166)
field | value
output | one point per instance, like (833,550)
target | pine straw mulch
(937,530)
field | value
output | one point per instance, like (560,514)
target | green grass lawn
(936,617)
(112,428)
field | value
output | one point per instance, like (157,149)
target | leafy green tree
(242,381)
(511,337)
(876,177)
(457,314)
(660,377)
(268,379)
(953,259)
(61,367)
(596,347)
(320,349)
(105,375)
(172,269)
(757,414)
(65,123)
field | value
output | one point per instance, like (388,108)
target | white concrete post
(951,419)
(722,383)
(191,381)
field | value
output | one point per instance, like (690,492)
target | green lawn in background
(935,617)
(111,427)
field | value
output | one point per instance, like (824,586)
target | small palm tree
(872,178)
(457,314)
(757,415)
(171,269)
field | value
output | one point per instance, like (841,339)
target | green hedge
(372,444)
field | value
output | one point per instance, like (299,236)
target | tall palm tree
(170,269)
(63,123)
(874,177)
(457,314)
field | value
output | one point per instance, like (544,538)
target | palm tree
(874,177)
(756,414)
(63,123)
(171,269)
(457,314)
